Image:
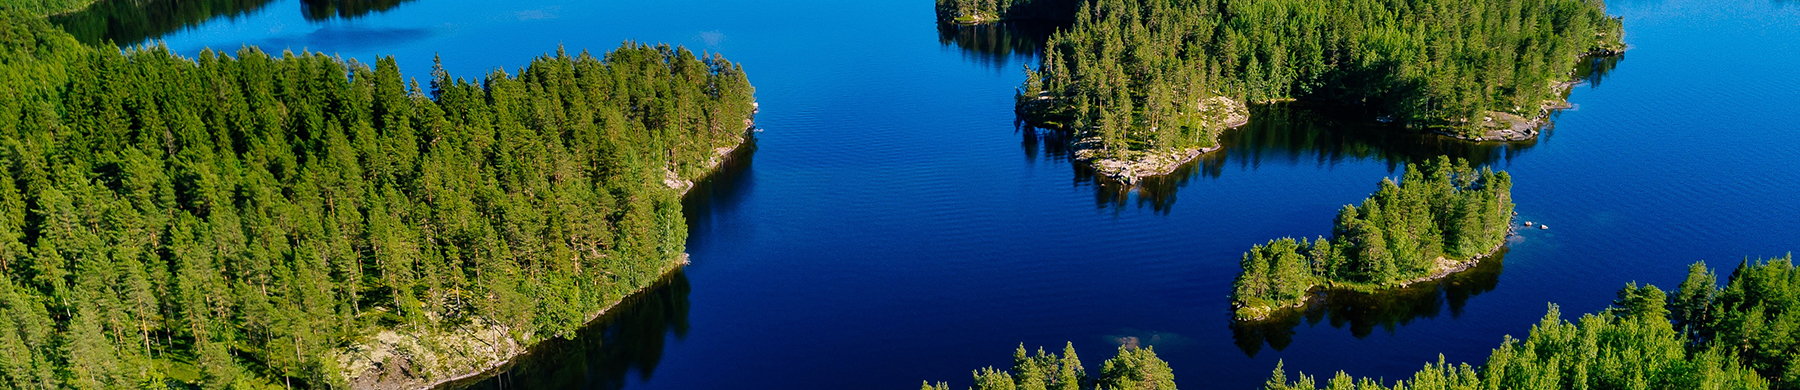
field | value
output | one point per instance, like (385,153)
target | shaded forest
(1133,73)
(258,219)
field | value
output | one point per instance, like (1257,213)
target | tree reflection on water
(629,340)
(1297,133)
(1363,312)
(130,22)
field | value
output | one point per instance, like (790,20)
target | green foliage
(1756,316)
(1440,213)
(1633,345)
(1131,369)
(1134,73)
(1702,337)
(1273,273)
(1136,369)
(249,216)
(44,7)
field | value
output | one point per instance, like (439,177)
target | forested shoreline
(1440,217)
(1699,336)
(1134,75)
(298,220)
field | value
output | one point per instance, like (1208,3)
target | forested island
(1145,85)
(1699,336)
(299,220)
(1443,216)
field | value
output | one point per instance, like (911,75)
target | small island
(1442,217)
(1143,83)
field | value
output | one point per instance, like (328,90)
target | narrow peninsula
(1145,85)
(1441,217)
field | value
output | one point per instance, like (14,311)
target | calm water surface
(893,224)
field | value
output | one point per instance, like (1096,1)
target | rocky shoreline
(397,359)
(1131,167)
(1508,127)
(426,359)
(1445,268)
(720,156)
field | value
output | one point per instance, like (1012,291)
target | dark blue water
(893,224)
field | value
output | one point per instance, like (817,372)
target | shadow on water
(1297,133)
(999,45)
(346,37)
(1326,135)
(1593,70)
(724,189)
(1363,312)
(1279,133)
(130,22)
(316,10)
(627,341)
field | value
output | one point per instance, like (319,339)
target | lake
(894,224)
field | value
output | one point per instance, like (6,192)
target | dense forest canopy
(1755,316)
(1439,215)
(227,220)
(1701,336)
(1134,72)
(46,7)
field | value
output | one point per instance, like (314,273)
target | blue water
(893,224)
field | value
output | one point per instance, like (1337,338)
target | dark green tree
(1440,215)
(233,220)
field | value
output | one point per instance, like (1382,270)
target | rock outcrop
(1131,166)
